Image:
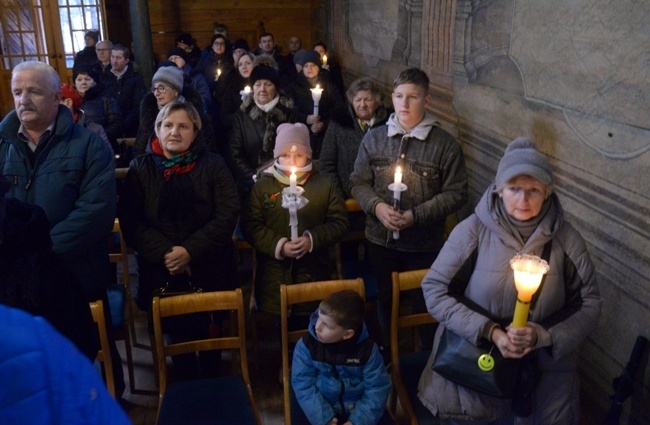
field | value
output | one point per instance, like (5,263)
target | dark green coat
(265,224)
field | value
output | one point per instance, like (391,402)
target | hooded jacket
(324,377)
(566,311)
(341,145)
(433,169)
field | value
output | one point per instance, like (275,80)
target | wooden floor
(141,407)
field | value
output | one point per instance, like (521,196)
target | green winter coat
(265,224)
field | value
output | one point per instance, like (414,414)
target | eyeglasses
(218,43)
(102,50)
(158,89)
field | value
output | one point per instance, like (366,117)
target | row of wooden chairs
(234,395)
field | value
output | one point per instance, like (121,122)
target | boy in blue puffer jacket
(338,374)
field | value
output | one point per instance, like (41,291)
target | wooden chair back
(203,302)
(403,281)
(104,353)
(298,294)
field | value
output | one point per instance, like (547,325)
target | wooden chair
(104,353)
(297,294)
(407,367)
(127,332)
(224,400)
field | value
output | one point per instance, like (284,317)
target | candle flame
(293,170)
(398,169)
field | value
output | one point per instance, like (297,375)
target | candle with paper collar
(316,94)
(292,179)
(528,271)
(397,194)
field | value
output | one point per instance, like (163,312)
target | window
(21,32)
(77,17)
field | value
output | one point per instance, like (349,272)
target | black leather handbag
(457,360)
(481,367)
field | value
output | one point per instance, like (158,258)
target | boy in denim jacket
(407,235)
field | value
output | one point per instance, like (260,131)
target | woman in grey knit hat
(169,83)
(518,214)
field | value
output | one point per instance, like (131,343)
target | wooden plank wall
(282,18)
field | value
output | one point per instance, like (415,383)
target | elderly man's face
(36,103)
(365,104)
(103,52)
(294,44)
(267,44)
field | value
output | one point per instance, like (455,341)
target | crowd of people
(230,142)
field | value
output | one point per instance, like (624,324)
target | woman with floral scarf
(178,210)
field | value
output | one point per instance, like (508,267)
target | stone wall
(572,75)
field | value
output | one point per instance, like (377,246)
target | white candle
(324,59)
(397,194)
(316,95)
(292,179)
(247,90)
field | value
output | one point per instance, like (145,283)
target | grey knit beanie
(170,75)
(522,158)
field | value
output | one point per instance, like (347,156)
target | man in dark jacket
(65,169)
(124,83)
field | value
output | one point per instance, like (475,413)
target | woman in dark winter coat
(98,107)
(216,64)
(169,84)
(178,210)
(300,92)
(347,127)
(236,84)
(252,137)
(33,279)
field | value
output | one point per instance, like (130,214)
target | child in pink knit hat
(322,220)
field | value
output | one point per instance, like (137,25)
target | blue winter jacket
(322,377)
(73,180)
(45,380)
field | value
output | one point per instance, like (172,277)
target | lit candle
(528,271)
(216,77)
(397,194)
(292,179)
(324,59)
(247,90)
(398,175)
(315,95)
